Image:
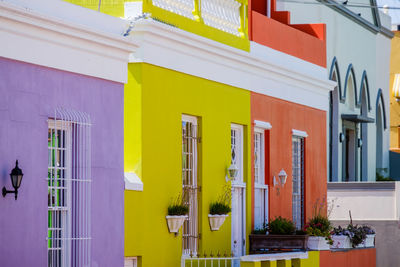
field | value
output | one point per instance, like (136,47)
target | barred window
(260,188)
(189,182)
(69,183)
(298,181)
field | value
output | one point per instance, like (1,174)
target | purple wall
(29,95)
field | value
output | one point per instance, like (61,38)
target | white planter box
(317,243)
(175,222)
(369,242)
(341,241)
(216,221)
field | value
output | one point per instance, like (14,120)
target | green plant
(281,226)
(222,205)
(358,234)
(319,225)
(259,231)
(177,207)
(219,208)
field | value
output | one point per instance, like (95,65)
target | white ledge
(133,182)
(299,133)
(262,70)
(64,36)
(262,124)
(274,256)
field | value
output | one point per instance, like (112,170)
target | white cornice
(39,38)
(262,70)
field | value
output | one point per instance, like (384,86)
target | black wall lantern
(16,178)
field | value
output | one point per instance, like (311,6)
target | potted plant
(341,238)
(370,236)
(177,213)
(282,235)
(319,231)
(219,210)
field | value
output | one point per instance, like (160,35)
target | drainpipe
(99,6)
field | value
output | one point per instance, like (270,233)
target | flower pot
(341,241)
(216,221)
(369,241)
(260,242)
(175,222)
(317,243)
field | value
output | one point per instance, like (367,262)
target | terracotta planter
(259,243)
(341,241)
(317,243)
(216,221)
(175,222)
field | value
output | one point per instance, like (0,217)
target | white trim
(238,184)
(299,133)
(262,70)
(263,124)
(274,257)
(132,182)
(63,36)
(260,186)
(189,118)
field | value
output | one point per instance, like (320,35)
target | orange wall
(285,116)
(305,41)
(350,258)
(293,40)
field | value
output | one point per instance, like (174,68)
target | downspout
(98,9)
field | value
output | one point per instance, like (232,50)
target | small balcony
(224,21)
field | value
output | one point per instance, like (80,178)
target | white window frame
(190,232)
(238,138)
(298,208)
(59,214)
(260,187)
(238,223)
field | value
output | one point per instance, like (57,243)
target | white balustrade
(222,14)
(180,7)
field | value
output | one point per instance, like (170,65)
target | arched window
(350,89)
(364,104)
(380,127)
(350,167)
(334,98)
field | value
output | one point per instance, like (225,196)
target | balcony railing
(225,15)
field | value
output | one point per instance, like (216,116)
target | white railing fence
(224,15)
(211,261)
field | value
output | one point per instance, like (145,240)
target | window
(237,149)
(298,181)
(260,188)
(238,213)
(68,181)
(189,182)
(131,262)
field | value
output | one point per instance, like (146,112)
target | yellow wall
(116,8)
(394,105)
(153,144)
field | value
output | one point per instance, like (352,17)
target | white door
(238,220)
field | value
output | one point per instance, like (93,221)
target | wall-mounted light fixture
(341,137)
(281,181)
(16,178)
(233,172)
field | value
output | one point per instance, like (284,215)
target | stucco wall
(352,44)
(284,117)
(157,124)
(29,96)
